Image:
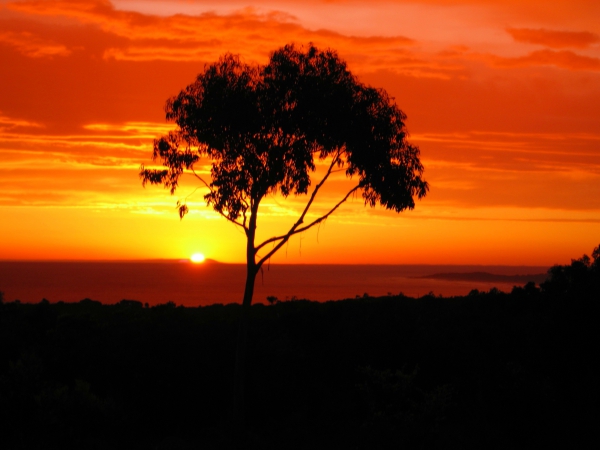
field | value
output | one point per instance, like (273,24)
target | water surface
(190,284)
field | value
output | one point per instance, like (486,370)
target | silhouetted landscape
(485,370)
(358,193)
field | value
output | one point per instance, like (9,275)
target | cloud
(105,101)
(95,167)
(33,46)
(517,189)
(138,37)
(497,152)
(7,123)
(554,39)
(122,146)
(522,170)
(565,59)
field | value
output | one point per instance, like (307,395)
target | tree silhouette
(580,279)
(262,127)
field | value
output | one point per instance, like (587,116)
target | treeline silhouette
(486,370)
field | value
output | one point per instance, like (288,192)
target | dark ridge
(492,370)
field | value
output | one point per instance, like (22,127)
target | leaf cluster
(262,127)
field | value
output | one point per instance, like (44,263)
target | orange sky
(502,96)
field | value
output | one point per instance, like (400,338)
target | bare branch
(300,220)
(245,219)
(201,179)
(235,222)
(331,211)
(293,231)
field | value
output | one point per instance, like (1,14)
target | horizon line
(214,261)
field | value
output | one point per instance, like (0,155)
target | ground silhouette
(486,370)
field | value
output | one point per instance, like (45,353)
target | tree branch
(293,231)
(300,220)
(235,222)
(201,179)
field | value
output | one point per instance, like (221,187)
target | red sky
(502,97)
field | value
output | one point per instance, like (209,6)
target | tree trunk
(239,410)
(239,376)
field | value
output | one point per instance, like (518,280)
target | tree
(579,280)
(261,128)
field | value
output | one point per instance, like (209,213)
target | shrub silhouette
(581,278)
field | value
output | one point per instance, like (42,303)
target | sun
(197,258)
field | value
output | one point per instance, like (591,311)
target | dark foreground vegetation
(489,370)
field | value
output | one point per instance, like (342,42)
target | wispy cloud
(33,46)
(553,38)
(11,123)
(565,59)
(206,36)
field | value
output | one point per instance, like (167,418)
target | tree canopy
(263,127)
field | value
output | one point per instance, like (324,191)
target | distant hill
(488,277)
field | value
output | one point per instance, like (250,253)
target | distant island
(487,277)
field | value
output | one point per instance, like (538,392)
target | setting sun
(197,258)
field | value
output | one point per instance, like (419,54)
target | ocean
(188,284)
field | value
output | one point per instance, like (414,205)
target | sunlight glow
(197,258)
